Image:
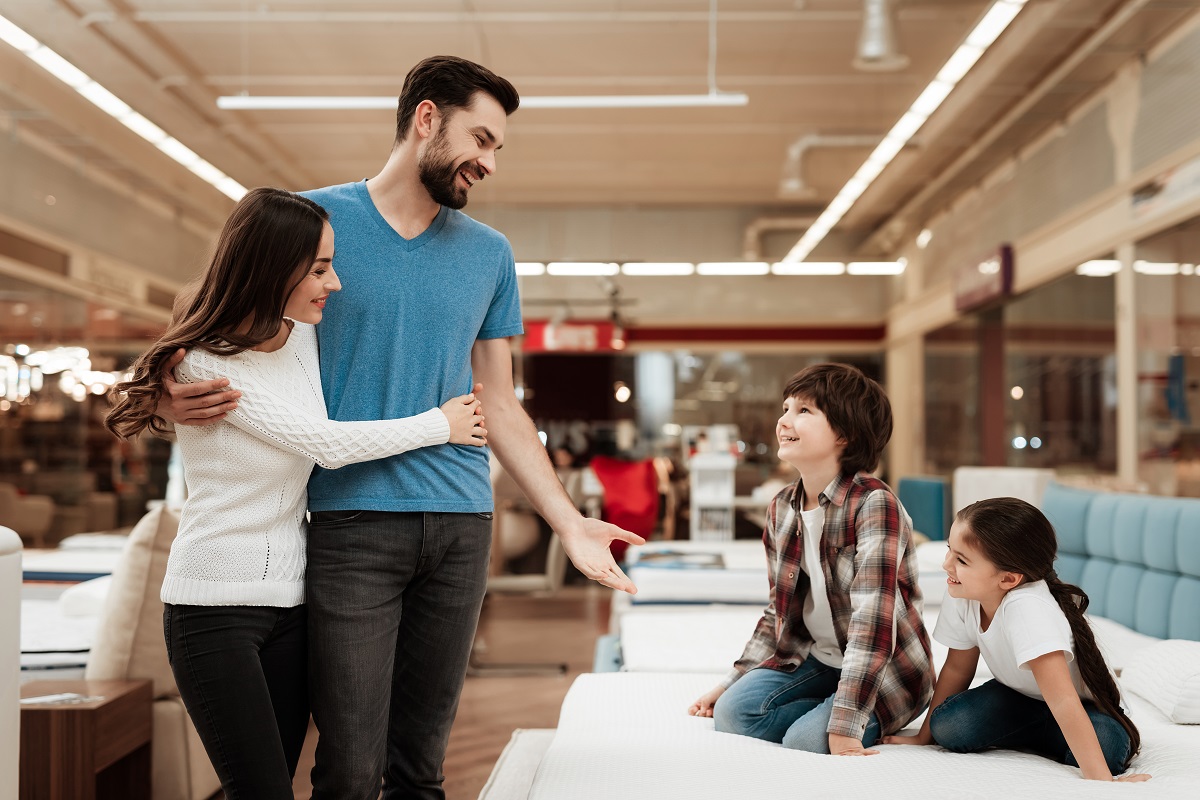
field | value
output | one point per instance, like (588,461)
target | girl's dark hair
(450,83)
(856,407)
(1017,537)
(267,240)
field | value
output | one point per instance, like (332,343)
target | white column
(10,661)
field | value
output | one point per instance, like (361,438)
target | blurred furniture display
(129,645)
(95,747)
(982,483)
(712,493)
(631,491)
(926,498)
(10,660)
(30,516)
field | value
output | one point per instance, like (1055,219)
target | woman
(234,617)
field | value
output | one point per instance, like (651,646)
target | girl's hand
(914,739)
(465,415)
(704,706)
(1137,777)
(848,746)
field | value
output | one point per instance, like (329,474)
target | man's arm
(514,439)
(202,403)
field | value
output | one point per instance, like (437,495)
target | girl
(234,617)
(1052,693)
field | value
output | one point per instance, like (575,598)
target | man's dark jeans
(393,601)
(241,675)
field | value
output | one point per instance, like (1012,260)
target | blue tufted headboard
(1136,556)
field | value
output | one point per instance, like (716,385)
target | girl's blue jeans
(993,715)
(791,708)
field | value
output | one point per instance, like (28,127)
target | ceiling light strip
(646,268)
(981,37)
(116,108)
(246,102)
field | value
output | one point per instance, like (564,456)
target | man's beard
(439,174)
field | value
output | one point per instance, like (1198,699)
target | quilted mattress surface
(627,735)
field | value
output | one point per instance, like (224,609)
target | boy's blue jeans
(791,708)
(993,715)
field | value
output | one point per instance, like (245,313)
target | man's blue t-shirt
(396,341)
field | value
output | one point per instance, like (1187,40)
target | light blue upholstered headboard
(1136,556)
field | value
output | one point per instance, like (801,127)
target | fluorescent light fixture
(1099,268)
(1155,268)
(924,238)
(647,268)
(16,37)
(106,100)
(809,268)
(733,268)
(245,102)
(531,268)
(117,108)
(994,22)
(571,268)
(178,151)
(876,267)
(143,127)
(59,67)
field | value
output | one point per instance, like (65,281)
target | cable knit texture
(241,533)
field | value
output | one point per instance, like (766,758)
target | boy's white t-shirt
(1029,623)
(818,617)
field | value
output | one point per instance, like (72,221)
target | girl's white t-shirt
(1029,623)
(818,617)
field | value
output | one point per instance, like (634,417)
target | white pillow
(1119,644)
(85,599)
(1168,675)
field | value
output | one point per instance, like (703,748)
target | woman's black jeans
(243,676)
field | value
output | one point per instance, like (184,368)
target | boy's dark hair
(450,83)
(856,406)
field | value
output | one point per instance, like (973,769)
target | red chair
(630,496)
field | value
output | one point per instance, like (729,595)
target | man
(398,548)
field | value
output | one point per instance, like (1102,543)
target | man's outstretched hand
(194,403)
(587,547)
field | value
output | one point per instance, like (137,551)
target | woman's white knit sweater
(241,534)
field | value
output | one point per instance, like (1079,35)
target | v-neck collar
(406,244)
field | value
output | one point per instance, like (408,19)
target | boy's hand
(848,746)
(704,706)
(914,739)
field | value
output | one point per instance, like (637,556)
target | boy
(840,657)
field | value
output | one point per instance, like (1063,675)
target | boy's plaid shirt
(867,555)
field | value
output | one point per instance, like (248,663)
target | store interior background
(1088,365)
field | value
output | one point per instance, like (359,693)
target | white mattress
(743,579)
(628,736)
(931,578)
(668,640)
(514,770)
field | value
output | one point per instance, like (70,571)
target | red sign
(568,337)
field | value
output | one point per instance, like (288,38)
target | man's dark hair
(450,83)
(857,408)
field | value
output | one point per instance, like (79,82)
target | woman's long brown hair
(1017,537)
(268,240)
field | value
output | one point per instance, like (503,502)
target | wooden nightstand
(99,749)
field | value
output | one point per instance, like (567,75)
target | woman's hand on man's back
(465,415)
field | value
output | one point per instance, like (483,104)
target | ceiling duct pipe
(792,184)
(752,240)
(878,49)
